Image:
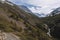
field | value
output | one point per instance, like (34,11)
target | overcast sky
(42,6)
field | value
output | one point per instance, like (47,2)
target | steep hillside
(17,21)
(53,22)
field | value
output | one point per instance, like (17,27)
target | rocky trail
(8,36)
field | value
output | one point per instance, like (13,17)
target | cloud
(46,5)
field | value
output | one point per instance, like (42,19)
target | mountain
(25,8)
(26,26)
(56,11)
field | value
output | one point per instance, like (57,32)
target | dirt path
(8,36)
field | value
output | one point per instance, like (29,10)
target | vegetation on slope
(53,23)
(17,21)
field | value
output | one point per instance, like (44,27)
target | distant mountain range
(26,9)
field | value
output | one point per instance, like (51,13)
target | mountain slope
(53,23)
(56,11)
(17,21)
(24,8)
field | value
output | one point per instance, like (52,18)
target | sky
(39,6)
